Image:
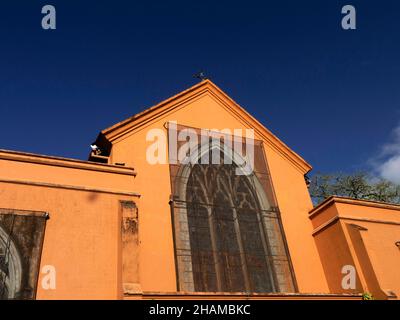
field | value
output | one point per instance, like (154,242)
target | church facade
(154,215)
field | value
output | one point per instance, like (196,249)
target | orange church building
(142,219)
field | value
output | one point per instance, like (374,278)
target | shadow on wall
(92,196)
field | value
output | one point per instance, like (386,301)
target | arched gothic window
(228,235)
(226,238)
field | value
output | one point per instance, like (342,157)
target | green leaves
(367,296)
(358,186)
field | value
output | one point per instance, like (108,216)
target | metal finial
(201,75)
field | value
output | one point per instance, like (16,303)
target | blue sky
(331,95)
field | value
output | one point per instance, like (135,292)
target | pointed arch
(227,233)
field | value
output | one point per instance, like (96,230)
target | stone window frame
(182,237)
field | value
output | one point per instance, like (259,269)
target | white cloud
(388,163)
(390,169)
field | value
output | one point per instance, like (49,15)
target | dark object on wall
(21,241)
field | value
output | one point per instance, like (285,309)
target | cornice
(71,187)
(64,162)
(336,199)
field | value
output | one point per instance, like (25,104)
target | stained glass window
(227,229)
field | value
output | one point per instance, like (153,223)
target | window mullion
(241,250)
(213,235)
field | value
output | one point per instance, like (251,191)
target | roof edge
(213,88)
(35,158)
(108,130)
(347,200)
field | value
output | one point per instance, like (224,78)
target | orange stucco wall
(334,253)
(362,234)
(153,183)
(82,235)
